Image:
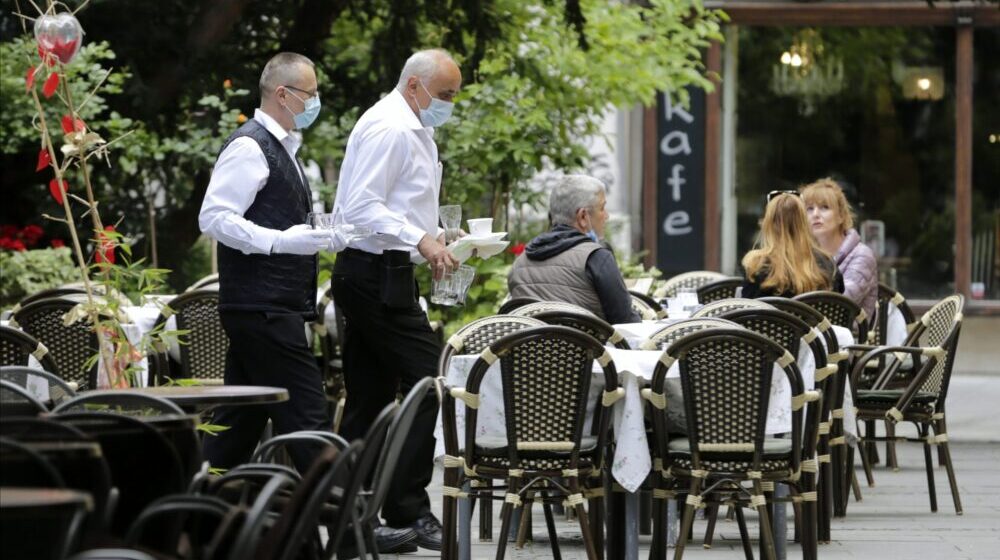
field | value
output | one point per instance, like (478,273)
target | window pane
(876,112)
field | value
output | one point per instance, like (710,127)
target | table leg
(631,526)
(673,522)
(780,522)
(465,525)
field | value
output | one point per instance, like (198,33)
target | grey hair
(572,193)
(422,64)
(281,70)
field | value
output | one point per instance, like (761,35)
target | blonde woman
(832,221)
(787,261)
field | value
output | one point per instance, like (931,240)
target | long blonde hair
(786,251)
(827,191)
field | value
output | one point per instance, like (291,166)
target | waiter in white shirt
(256,207)
(390,181)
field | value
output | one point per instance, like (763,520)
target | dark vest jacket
(276,283)
(559,278)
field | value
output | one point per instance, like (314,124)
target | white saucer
(492,236)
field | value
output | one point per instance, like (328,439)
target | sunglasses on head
(773,194)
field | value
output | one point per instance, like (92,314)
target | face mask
(592,235)
(437,113)
(309,114)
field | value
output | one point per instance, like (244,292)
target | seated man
(567,263)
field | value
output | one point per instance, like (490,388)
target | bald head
(283,69)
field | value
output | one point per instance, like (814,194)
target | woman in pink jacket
(832,224)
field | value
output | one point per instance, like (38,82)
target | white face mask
(437,113)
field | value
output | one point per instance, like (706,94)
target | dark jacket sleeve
(610,287)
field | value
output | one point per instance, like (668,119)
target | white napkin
(485,247)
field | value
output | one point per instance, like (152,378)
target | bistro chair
(78,459)
(590,324)
(47,294)
(931,346)
(210,282)
(546,375)
(112,554)
(479,334)
(532,309)
(44,529)
(841,310)
(203,348)
(17,401)
(720,289)
(119,402)
(647,307)
(56,390)
(182,525)
(723,306)
(18,348)
(144,464)
(888,298)
(693,280)
(726,375)
(71,346)
(513,303)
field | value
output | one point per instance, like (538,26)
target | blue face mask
(308,116)
(592,235)
(437,113)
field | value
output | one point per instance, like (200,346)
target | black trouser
(268,349)
(385,350)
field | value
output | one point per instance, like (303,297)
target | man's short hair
(282,70)
(422,64)
(572,193)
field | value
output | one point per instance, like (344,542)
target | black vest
(278,283)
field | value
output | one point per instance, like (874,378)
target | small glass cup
(352,232)
(453,286)
(451,220)
(320,220)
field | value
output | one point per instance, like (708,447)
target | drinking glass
(688,299)
(320,220)
(352,233)
(453,286)
(451,219)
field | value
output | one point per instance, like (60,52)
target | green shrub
(27,272)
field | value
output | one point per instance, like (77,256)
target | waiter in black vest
(256,207)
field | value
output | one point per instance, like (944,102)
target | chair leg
(595,516)
(766,537)
(550,524)
(448,525)
(929,464)
(581,515)
(370,543)
(658,545)
(711,514)
(940,428)
(688,520)
(486,517)
(506,511)
(866,462)
(744,534)
(890,447)
(945,452)
(855,486)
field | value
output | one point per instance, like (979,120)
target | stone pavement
(892,521)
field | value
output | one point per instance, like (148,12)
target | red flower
(56,192)
(17,245)
(31,234)
(50,85)
(67,124)
(56,243)
(29,80)
(106,247)
(517,249)
(44,159)
(8,230)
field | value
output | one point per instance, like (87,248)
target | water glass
(451,220)
(688,299)
(352,233)
(320,220)
(453,286)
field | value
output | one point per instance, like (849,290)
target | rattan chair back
(720,289)
(17,347)
(57,390)
(726,376)
(47,294)
(693,280)
(841,310)
(723,306)
(204,347)
(646,306)
(587,323)
(532,309)
(118,402)
(17,401)
(513,303)
(664,337)
(939,327)
(546,374)
(71,346)
(887,299)
(479,334)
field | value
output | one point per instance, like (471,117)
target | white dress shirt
(390,179)
(239,174)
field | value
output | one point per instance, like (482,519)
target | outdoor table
(199,398)
(631,463)
(37,522)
